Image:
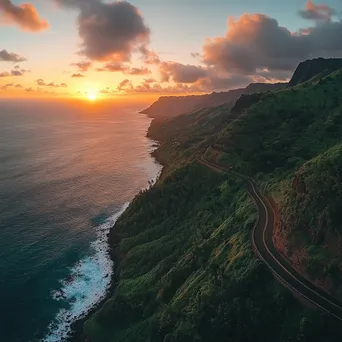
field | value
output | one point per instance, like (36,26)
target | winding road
(264,247)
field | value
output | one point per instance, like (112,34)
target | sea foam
(86,285)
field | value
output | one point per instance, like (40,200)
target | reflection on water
(64,170)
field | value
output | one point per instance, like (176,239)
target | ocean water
(67,171)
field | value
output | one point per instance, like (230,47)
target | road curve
(263,245)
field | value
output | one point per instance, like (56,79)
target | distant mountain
(171,106)
(315,69)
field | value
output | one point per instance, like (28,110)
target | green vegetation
(188,271)
(296,155)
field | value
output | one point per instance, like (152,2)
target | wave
(87,284)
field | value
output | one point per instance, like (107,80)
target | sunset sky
(81,48)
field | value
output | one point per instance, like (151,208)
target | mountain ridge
(167,107)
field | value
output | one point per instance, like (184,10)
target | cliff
(171,106)
(315,69)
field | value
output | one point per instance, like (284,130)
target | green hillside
(188,271)
(295,154)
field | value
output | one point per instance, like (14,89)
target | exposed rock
(317,68)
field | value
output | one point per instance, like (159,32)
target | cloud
(181,73)
(41,83)
(187,79)
(25,16)
(118,67)
(138,71)
(9,85)
(77,75)
(45,91)
(149,56)
(150,80)
(125,85)
(112,67)
(157,88)
(195,54)
(256,43)
(317,12)
(4,87)
(11,57)
(82,66)
(109,31)
(107,91)
(214,82)
(15,72)
(205,85)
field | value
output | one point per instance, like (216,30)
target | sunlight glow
(92,96)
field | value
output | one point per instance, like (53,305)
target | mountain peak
(315,68)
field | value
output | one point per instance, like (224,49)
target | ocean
(67,171)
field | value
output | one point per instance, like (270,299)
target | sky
(148,48)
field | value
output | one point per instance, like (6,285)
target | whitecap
(87,284)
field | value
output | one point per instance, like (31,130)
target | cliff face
(315,68)
(310,231)
(171,106)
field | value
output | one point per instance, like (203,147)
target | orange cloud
(181,73)
(317,12)
(149,56)
(257,42)
(15,72)
(41,83)
(125,85)
(83,65)
(138,71)
(119,67)
(77,75)
(25,16)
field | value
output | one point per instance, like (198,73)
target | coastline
(77,327)
(114,240)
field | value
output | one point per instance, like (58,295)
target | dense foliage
(296,153)
(287,127)
(188,271)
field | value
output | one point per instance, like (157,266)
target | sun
(91,96)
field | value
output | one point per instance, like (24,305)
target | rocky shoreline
(77,327)
(113,241)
